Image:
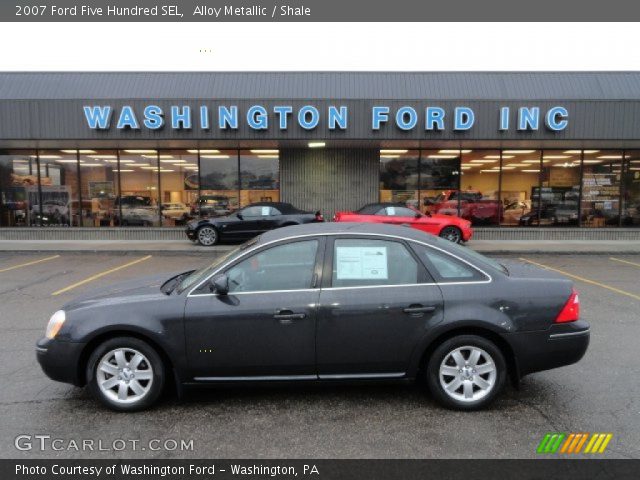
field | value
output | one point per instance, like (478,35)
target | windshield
(204,272)
(478,257)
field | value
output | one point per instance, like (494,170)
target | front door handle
(418,310)
(287,316)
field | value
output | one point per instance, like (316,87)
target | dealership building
(136,155)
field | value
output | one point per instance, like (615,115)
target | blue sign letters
(428,118)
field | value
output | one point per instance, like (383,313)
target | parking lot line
(582,279)
(99,275)
(625,261)
(46,259)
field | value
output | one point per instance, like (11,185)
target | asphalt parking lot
(599,394)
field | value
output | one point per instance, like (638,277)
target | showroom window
(631,190)
(259,176)
(478,196)
(218,183)
(559,192)
(519,186)
(18,183)
(98,188)
(59,179)
(137,203)
(439,181)
(601,184)
(140,187)
(399,176)
(178,186)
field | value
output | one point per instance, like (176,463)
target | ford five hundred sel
(322,303)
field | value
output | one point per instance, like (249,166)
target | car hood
(135,290)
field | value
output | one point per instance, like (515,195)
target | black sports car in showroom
(248,222)
(322,303)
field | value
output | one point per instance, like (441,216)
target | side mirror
(239,215)
(417,215)
(219,284)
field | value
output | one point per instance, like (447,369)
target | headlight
(55,323)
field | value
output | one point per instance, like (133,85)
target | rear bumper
(467,233)
(191,233)
(60,360)
(560,345)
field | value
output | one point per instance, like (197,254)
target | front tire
(453,234)
(125,374)
(207,236)
(466,372)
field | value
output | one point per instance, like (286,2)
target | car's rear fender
(443,332)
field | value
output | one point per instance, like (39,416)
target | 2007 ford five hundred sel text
(322,303)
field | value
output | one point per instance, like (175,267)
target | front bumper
(191,233)
(60,361)
(560,345)
(467,233)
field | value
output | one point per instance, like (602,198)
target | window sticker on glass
(361,263)
(265,211)
(391,210)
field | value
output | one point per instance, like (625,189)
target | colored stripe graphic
(572,443)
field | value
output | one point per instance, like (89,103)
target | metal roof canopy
(321,85)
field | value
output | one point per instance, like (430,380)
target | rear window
(476,257)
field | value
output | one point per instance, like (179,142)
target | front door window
(284,267)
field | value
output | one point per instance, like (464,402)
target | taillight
(571,310)
(319,217)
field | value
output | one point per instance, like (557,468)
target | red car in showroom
(451,228)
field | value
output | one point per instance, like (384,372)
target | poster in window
(361,263)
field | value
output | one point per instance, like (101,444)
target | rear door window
(361,262)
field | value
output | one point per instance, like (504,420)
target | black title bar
(219,469)
(323,11)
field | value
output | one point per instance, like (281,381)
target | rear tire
(453,234)
(466,372)
(125,374)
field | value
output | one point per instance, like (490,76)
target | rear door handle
(418,309)
(287,316)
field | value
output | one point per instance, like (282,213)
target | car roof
(356,228)
(362,228)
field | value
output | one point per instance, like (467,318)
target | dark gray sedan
(322,303)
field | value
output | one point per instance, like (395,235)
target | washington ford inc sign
(308,117)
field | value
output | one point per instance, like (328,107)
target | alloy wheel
(467,374)
(124,375)
(452,234)
(207,236)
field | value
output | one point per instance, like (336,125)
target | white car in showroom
(175,210)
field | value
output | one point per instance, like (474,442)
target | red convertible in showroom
(451,228)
